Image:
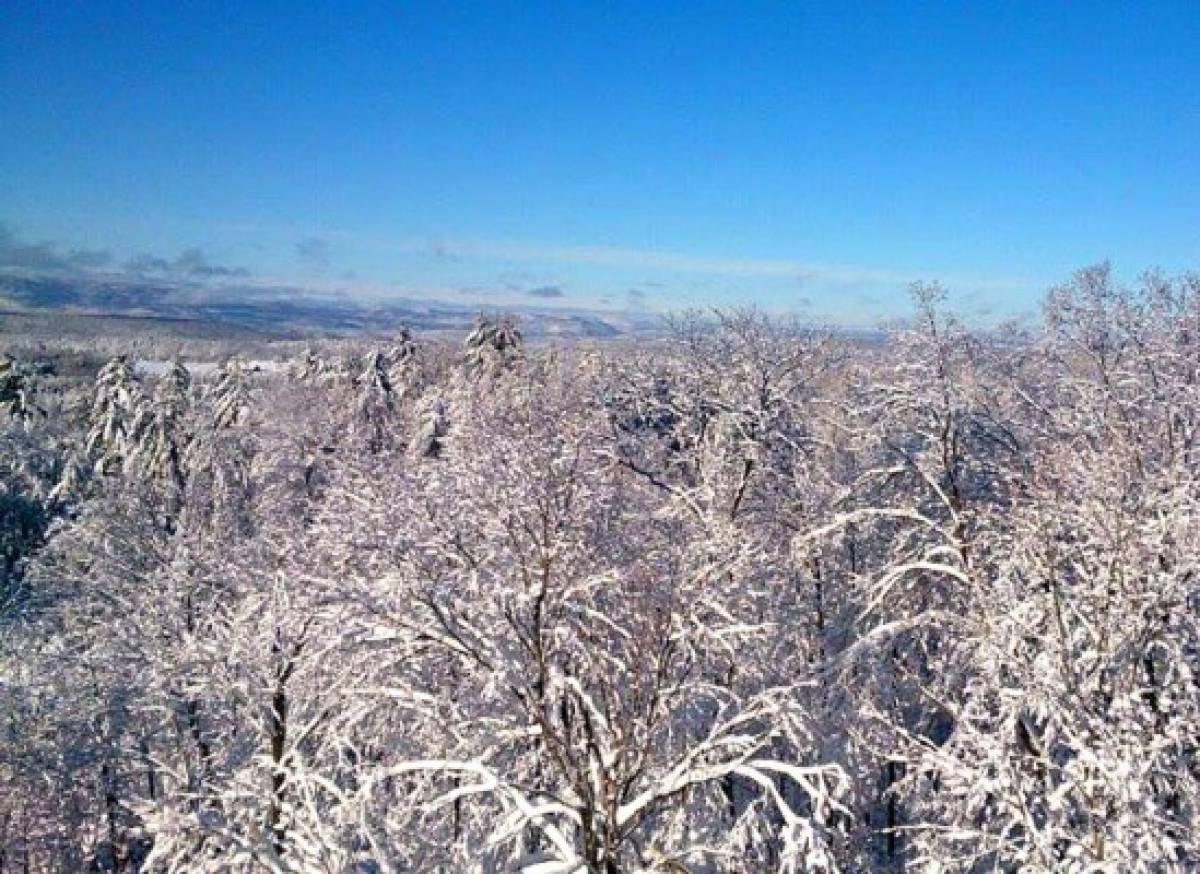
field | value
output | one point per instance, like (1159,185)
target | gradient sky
(813,156)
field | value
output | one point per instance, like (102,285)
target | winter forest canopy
(755,598)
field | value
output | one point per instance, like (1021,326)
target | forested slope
(756,598)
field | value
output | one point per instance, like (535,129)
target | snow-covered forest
(754,598)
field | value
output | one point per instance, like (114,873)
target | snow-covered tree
(594,696)
(161,432)
(374,413)
(115,411)
(16,392)
(751,597)
(492,345)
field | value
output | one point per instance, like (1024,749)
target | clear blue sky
(610,153)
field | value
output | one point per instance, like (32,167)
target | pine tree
(403,369)
(492,345)
(117,398)
(432,424)
(162,438)
(375,402)
(230,395)
(16,393)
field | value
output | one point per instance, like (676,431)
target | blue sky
(805,156)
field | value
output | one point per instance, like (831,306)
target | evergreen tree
(116,401)
(493,345)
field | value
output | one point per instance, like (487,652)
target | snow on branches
(754,598)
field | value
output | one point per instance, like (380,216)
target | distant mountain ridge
(286,310)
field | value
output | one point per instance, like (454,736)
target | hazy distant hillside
(290,311)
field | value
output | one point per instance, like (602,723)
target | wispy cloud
(679,262)
(192,263)
(654,262)
(507,272)
(546,291)
(15,252)
(314,251)
(144,263)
